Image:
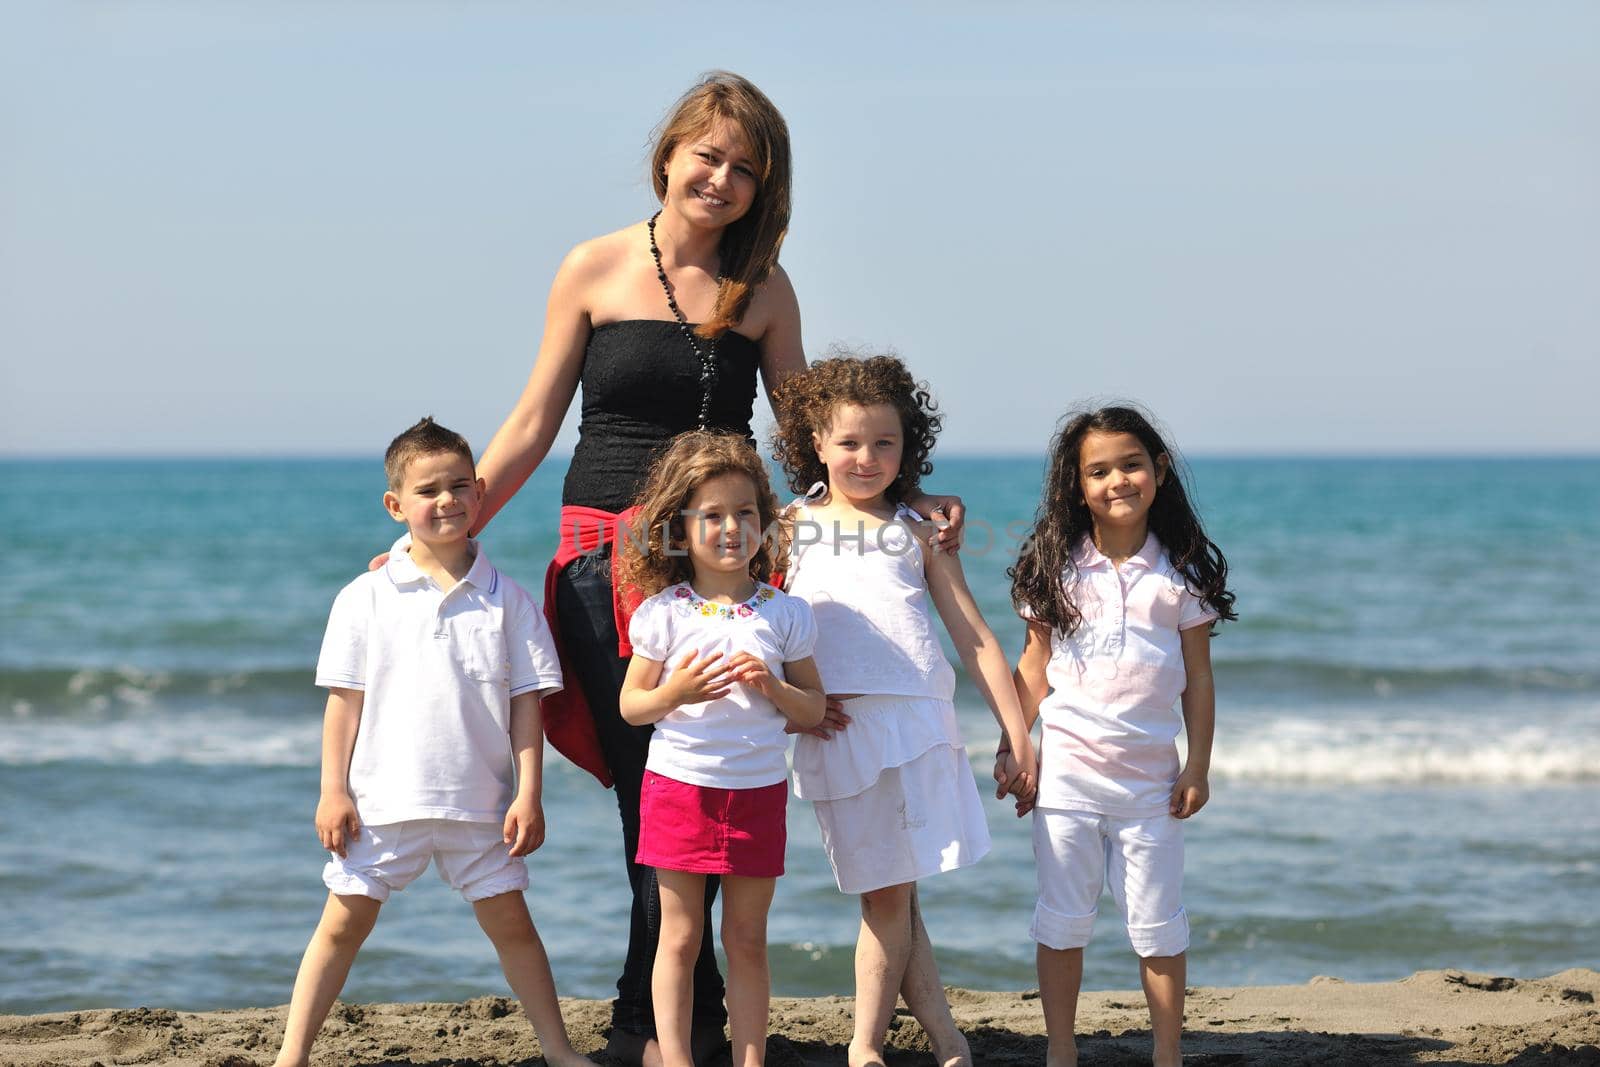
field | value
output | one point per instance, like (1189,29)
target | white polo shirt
(736,742)
(438,670)
(1110,725)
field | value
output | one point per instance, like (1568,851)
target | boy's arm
(337,821)
(524,824)
(1193,789)
(985,662)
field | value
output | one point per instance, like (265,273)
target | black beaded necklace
(708,352)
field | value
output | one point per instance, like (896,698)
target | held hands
(524,826)
(1190,794)
(337,822)
(1017,777)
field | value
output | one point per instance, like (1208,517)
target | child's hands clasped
(1190,793)
(524,826)
(753,671)
(698,679)
(337,822)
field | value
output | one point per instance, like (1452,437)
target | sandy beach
(1437,1017)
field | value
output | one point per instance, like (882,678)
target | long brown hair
(749,247)
(691,460)
(1042,579)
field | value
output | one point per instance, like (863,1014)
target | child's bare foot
(1061,1053)
(1167,1057)
(568,1057)
(863,1056)
(958,1054)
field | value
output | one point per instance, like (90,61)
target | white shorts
(1078,852)
(472,857)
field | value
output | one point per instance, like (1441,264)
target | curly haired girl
(893,793)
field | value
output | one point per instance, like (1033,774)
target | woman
(620,321)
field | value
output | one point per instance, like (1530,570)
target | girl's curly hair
(804,405)
(691,460)
(1041,579)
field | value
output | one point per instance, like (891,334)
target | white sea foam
(1375,751)
(223,739)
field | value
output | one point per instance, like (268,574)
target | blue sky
(1306,228)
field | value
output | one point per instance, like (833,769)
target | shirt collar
(403,570)
(1088,557)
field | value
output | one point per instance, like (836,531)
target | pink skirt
(704,830)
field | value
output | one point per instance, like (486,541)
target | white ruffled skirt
(893,792)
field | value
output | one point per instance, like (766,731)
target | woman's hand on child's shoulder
(948,516)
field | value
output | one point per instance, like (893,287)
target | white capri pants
(1078,852)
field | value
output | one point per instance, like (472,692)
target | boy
(434,665)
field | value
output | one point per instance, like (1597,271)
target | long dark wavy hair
(804,405)
(1041,579)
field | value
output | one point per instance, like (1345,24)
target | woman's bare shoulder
(774,304)
(599,256)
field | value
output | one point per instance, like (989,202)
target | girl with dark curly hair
(1120,587)
(894,793)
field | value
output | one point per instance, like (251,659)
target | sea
(1406,771)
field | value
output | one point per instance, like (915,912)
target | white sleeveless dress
(893,792)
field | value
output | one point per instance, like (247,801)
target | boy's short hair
(426,438)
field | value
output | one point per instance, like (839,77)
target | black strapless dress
(641,388)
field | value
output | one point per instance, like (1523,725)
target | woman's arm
(781,351)
(522,441)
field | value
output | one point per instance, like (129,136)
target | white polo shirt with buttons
(438,669)
(1110,725)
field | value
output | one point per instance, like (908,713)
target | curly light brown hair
(805,403)
(691,460)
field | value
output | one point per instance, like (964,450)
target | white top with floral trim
(736,742)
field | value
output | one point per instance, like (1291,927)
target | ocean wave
(1331,678)
(224,739)
(1377,751)
(51,692)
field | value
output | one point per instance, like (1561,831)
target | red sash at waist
(567,719)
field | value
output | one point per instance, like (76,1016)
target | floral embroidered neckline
(712,610)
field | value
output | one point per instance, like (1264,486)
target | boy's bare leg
(1060,976)
(745,903)
(924,995)
(883,948)
(1163,978)
(683,902)
(506,920)
(346,921)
